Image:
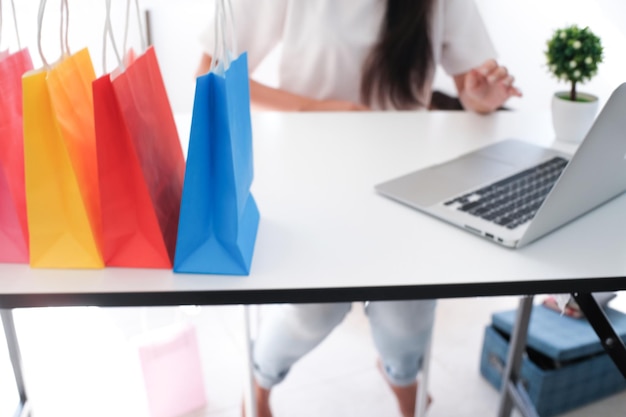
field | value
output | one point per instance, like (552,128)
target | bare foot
(406,395)
(262,397)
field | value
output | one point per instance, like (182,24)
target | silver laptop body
(453,191)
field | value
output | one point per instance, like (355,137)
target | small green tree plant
(573,55)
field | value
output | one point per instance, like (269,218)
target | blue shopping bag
(219,218)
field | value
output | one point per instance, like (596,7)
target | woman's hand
(486,88)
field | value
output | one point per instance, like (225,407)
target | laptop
(513,192)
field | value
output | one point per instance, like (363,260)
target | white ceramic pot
(572,119)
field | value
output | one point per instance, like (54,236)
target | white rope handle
(142,33)
(65,17)
(0,22)
(233,28)
(140,25)
(42,8)
(65,28)
(108,34)
(216,25)
(17,32)
(224,26)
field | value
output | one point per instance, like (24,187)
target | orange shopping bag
(13,223)
(62,194)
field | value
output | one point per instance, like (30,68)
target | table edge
(311,295)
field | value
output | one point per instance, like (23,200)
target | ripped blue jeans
(400,329)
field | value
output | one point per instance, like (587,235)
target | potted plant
(573,56)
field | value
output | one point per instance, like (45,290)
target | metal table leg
(512,392)
(16,360)
(422,393)
(612,343)
(250,399)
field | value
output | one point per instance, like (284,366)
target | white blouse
(325,42)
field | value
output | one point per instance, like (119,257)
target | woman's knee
(403,319)
(316,319)
(401,330)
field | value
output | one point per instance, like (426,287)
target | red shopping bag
(141,166)
(13,221)
(131,233)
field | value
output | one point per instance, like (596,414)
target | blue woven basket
(566,366)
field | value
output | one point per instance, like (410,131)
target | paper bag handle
(224,20)
(65,24)
(17,32)
(127,25)
(1,21)
(108,34)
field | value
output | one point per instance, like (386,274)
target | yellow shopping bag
(62,196)
(61,167)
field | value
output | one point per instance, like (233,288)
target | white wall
(519,29)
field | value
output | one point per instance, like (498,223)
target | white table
(325,235)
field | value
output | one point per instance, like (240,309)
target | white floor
(83,362)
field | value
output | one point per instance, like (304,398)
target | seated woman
(346,55)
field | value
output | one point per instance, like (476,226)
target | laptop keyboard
(514,200)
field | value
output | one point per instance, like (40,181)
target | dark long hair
(398,66)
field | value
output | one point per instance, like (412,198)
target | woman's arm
(486,88)
(264,97)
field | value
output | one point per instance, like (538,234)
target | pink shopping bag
(172,371)
(13,223)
